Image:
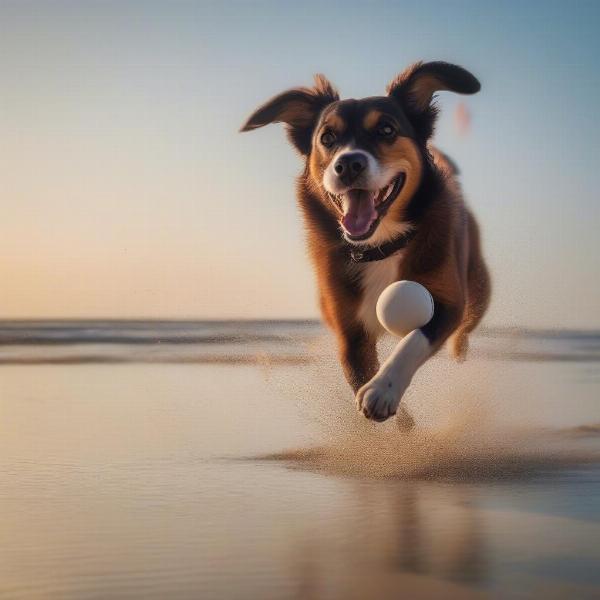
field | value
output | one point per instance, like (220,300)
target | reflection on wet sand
(460,556)
(407,541)
(416,539)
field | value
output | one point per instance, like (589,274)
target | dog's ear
(415,86)
(298,108)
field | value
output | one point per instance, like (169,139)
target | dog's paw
(379,398)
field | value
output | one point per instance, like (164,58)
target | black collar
(359,254)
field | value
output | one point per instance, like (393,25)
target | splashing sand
(460,434)
(452,453)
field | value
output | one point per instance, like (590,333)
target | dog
(381,204)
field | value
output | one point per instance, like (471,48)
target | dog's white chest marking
(375,277)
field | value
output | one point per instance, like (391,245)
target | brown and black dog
(380,205)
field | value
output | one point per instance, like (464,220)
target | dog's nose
(349,166)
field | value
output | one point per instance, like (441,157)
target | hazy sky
(126,190)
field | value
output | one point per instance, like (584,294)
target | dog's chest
(375,277)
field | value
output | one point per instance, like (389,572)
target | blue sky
(128,191)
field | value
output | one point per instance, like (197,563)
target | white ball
(404,306)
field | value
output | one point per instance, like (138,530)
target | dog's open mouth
(363,209)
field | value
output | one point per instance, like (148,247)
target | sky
(127,191)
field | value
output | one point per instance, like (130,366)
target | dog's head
(365,157)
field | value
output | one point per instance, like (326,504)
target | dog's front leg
(358,354)
(379,398)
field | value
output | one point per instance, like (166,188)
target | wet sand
(256,478)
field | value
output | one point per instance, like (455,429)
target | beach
(227,460)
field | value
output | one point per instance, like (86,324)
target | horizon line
(25,322)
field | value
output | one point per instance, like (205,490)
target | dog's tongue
(359,211)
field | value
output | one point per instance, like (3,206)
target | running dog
(381,204)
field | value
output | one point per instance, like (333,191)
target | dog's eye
(327,139)
(385,130)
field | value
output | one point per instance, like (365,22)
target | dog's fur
(444,251)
